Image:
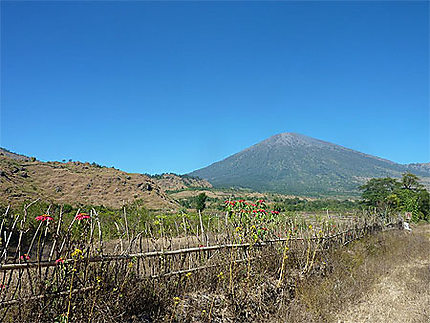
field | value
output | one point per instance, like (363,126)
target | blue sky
(174,86)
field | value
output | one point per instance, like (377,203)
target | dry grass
(77,183)
(173,182)
(384,278)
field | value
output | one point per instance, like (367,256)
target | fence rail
(151,254)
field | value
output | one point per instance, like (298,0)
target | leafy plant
(389,195)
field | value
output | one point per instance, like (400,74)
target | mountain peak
(297,164)
(292,139)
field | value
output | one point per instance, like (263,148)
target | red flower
(201,246)
(59,261)
(25,257)
(82,216)
(43,217)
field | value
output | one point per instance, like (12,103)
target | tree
(411,182)
(377,190)
(389,195)
(424,204)
(201,202)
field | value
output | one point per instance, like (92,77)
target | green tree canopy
(411,182)
(390,195)
(201,202)
(377,190)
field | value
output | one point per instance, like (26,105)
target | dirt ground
(402,294)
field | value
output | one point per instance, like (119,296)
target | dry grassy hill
(173,182)
(23,178)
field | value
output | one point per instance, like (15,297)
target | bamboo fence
(48,273)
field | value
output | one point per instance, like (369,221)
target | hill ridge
(80,183)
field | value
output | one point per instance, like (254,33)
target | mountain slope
(25,179)
(174,182)
(296,164)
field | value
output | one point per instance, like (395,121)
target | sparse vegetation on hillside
(171,182)
(24,179)
(78,184)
